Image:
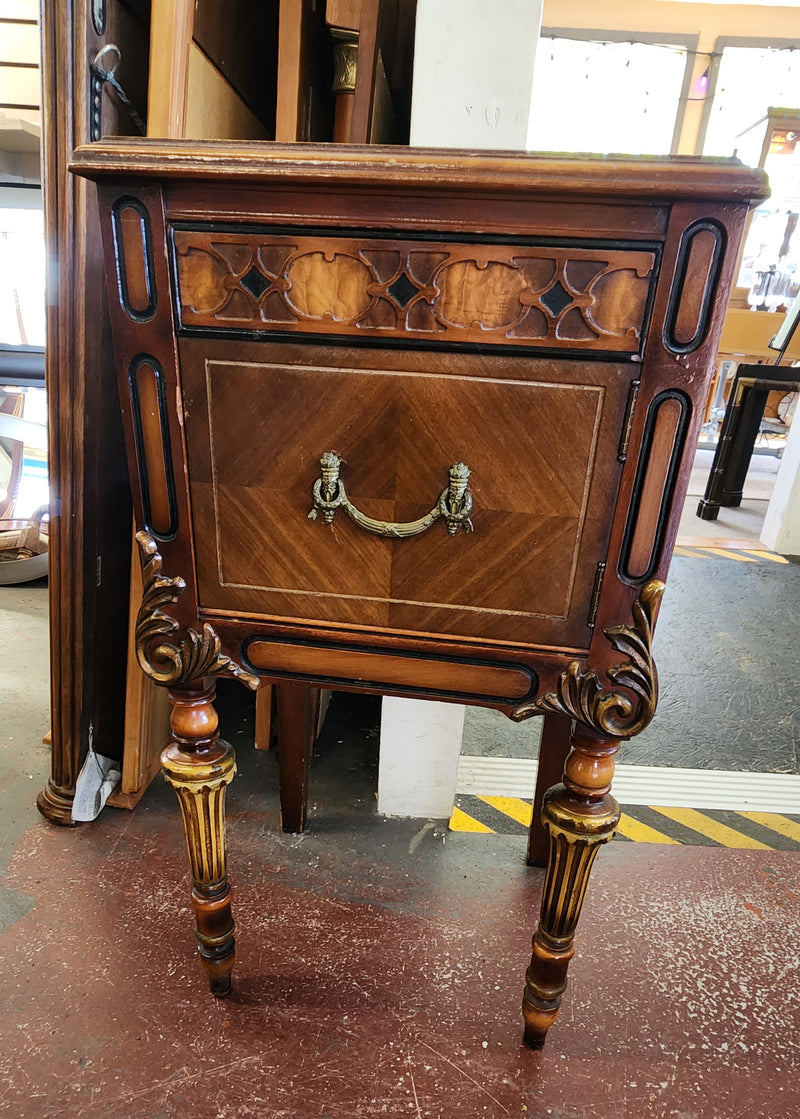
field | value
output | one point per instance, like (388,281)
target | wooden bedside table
(417,423)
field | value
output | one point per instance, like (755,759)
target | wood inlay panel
(697,272)
(332,664)
(662,447)
(531,443)
(134,259)
(151,430)
(582,297)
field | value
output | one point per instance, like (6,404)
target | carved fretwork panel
(579,296)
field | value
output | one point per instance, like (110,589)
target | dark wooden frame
(90,505)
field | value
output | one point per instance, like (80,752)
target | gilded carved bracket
(580,695)
(190,656)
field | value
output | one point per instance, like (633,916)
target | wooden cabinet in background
(189,68)
(90,505)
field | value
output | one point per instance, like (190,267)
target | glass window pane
(22,273)
(605,97)
(749,81)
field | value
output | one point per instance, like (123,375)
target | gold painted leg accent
(199,766)
(579,815)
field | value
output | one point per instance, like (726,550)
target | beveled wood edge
(402,168)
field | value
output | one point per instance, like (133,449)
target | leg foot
(579,815)
(199,766)
(707,510)
(55,804)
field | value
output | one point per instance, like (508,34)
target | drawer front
(540,438)
(582,297)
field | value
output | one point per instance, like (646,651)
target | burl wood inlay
(582,297)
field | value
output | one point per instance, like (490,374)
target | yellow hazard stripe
(775,822)
(734,552)
(460,821)
(726,554)
(771,556)
(642,833)
(633,829)
(712,829)
(519,810)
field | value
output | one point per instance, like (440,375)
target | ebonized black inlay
(148,311)
(556,299)
(141,458)
(384,687)
(255,282)
(679,282)
(403,290)
(637,578)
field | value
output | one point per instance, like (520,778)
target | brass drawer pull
(454,503)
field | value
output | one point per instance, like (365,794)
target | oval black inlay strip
(669,484)
(141,457)
(122,204)
(383,687)
(679,280)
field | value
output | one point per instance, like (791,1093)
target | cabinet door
(539,435)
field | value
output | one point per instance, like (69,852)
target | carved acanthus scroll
(620,714)
(193,655)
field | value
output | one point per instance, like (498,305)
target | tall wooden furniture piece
(412,423)
(90,506)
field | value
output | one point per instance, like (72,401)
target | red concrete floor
(380,972)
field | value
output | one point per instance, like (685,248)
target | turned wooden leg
(579,815)
(262,732)
(553,750)
(199,766)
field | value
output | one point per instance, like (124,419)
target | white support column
(473,73)
(420,745)
(781,529)
(473,76)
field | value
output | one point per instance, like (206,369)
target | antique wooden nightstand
(417,423)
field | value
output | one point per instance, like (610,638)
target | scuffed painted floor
(381,963)
(380,969)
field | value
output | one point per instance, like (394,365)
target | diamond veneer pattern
(255,282)
(403,290)
(556,299)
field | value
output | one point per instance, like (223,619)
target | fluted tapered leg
(579,816)
(199,766)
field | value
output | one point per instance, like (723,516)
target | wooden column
(90,509)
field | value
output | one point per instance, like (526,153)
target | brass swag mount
(454,503)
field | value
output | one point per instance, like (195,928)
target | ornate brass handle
(454,504)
